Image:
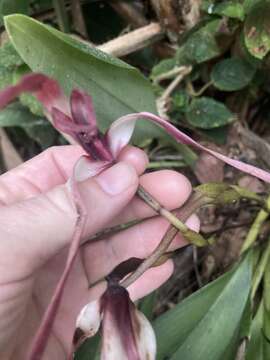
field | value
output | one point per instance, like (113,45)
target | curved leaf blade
(193,326)
(116,87)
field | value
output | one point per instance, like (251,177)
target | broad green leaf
(9,58)
(13,6)
(231,9)
(147,304)
(89,350)
(232,74)
(17,115)
(116,87)
(217,135)
(207,113)
(257,29)
(203,324)
(201,45)
(39,129)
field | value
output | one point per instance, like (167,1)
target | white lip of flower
(89,318)
(126,332)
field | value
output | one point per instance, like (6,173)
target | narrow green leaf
(232,74)
(207,113)
(116,87)
(203,324)
(257,25)
(212,334)
(255,346)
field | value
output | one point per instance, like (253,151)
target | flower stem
(256,227)
(191,206)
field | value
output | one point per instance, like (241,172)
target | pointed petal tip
(119,125)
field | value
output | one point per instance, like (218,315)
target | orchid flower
(76,118)
(126,332)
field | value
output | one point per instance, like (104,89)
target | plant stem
(260,269)
(165,164)
(61,13)
(191,206)
(158,208)
(256,227)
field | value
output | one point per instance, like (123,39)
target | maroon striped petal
(82,110)
(44,88)
(126,333)
(122,129)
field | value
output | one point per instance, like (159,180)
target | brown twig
(191,206)
(78,18)
(133,41)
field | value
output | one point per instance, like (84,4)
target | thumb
(36,229)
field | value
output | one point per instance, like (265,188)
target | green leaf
(116,87)
(89,349)
(255,345)
(231,9)
(39,129)
(203,325)
(207,113)
(257,29)
(13,6)
(201,45)
(147,305)
(17,115)
(232,74)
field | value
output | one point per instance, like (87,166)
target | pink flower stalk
(77,119)
(126,332)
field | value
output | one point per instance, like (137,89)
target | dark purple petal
(121,131)
(82,110)
(124,268)
(118,338)
(126,333)
(44,88)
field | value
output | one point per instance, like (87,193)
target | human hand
(37,219)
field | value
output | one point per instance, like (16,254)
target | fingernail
(117,179)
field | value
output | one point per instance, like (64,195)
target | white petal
(89,318)
(146,339)
(86,168)
(120,133)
